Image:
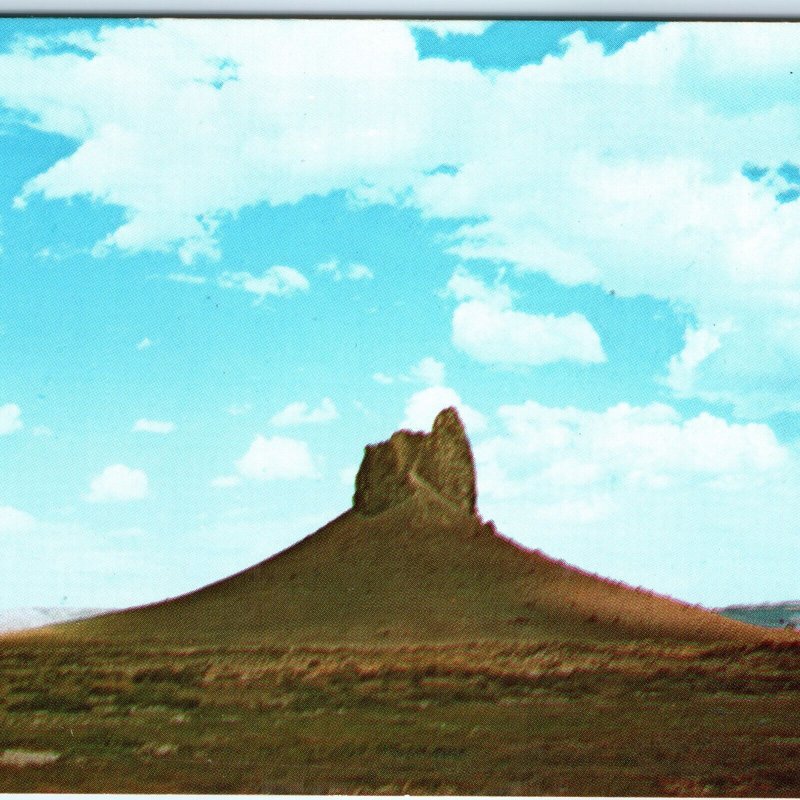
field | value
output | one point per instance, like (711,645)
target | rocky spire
(441,460)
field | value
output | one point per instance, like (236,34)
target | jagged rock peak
(440,460)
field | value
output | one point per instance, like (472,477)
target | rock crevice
(391,471)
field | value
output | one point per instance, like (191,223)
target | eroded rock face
(441,460)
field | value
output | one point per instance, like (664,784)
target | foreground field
(473,718)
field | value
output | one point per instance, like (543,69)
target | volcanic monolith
(440,460)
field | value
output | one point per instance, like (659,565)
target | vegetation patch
(473,718)
(28,758)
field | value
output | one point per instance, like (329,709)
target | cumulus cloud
(13,521)
(567,450)
(427,371)
(503,336)
(353,272)
(359,272)
(645,494)
(144,344)
(423,406)
(10,418)
(118,483)
(279,281)
(489,330)
(331,268)
(452,27)
(300,413)
(277,458)
(606,203)
(153,426)
(342,118)
(699,344)
(590,196)
(464,286)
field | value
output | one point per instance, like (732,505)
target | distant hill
(412,561)
(769,615)
(18,619)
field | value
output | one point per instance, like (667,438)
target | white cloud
(226,481)
(144,344)
(464,287)
(601,200)
(279,281)
(496,336)
(423,406)
(153,426)
(41,430)
(428,371)
(53,254)
(489,330)
(679,504)
(699,344)
(353,272)
(450,27)
(592,194)
(553,452)
(237,409)
(239,112)
(300,413)
(359,272)
(277,458)
(10,418)
(13,521)
(118,483)
(331,267)
(186,277)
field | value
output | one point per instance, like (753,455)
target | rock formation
(440,460)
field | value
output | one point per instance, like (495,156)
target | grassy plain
(445,659)
(553,718)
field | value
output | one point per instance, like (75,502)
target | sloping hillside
(398,577)
(413,562)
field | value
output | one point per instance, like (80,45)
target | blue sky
(235,252)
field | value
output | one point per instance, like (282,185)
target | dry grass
(471,717)
(27,758)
